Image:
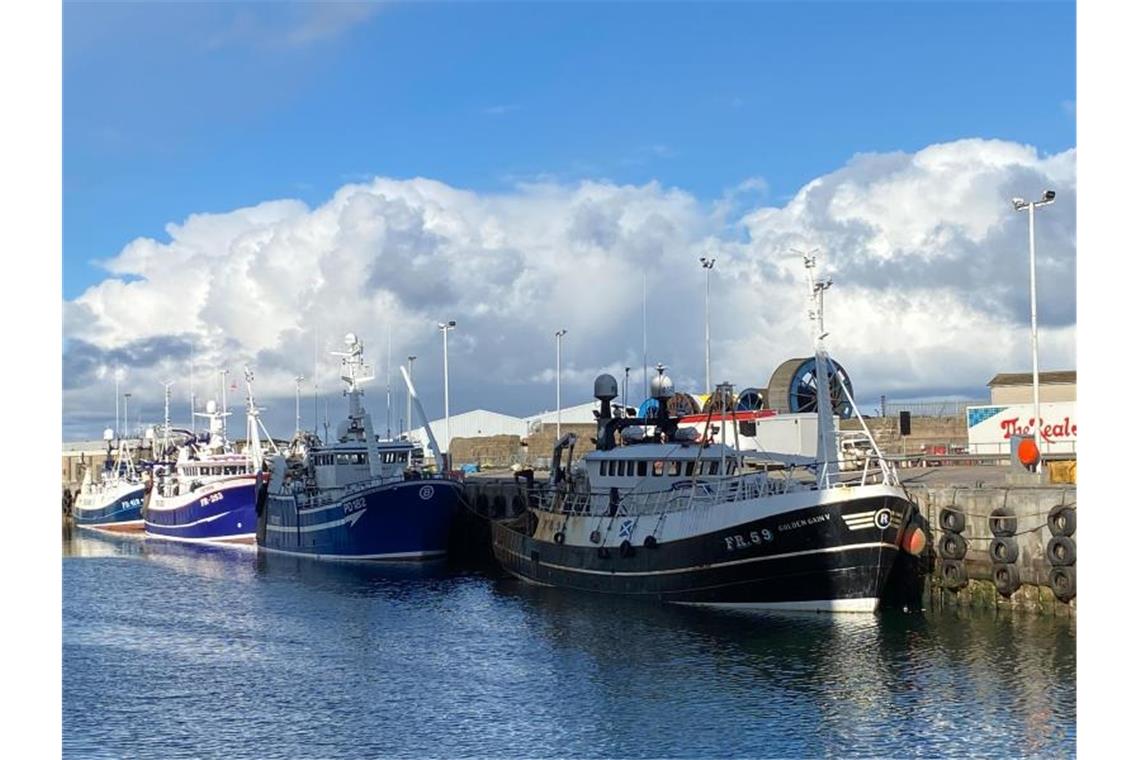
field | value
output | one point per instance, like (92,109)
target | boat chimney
(661,390)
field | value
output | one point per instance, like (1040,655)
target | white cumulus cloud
(929,259)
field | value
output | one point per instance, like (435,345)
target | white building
(478,423)
(481,423)
(581,413)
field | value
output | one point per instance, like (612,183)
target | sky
(243,184)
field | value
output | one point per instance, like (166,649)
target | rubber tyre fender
(603,552)
(953,574)
(625,549)
(1006,579)
(559,538)
(952,520)
(1061,551)
(952,546)
(595,537)
(1003,550)
(650,542)
(1003,522)
(1063,581)
(1062,520)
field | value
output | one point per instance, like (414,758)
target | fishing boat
(357,498)
(112,498)
(659,511)
(209,494)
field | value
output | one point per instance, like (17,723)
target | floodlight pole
(1020,205)
(707,265)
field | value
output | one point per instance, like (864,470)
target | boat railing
(684,495)
(690,494)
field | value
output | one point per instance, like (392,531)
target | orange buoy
(914,541)
(1027,452)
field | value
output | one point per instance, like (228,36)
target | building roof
(1060,377)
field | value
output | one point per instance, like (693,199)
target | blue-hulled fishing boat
(210,493)
(357,498)
(112,498)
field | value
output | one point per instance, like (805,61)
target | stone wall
(924,431)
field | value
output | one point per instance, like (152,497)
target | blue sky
(175,109)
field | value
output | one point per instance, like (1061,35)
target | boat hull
(224,512)
(833,557)
(405,520)
(122,511)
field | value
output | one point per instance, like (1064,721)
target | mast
(388,381)
(354,371)
(254,426)
(826,449)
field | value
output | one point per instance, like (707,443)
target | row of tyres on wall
(1004,550)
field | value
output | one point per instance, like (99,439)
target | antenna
(193,352)
(225,406)
(299,379)
(644,337)
(388,380)
(316,349)
(166,415)
(816,289)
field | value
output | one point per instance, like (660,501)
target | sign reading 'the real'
(989,428)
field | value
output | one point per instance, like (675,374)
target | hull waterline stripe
(359,557)
(713,566)
(237,539)
(861,604)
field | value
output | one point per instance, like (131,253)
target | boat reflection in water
(945,682)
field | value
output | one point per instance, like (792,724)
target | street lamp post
(126,419)
(1020,204)
(558,382)
(445,327)
(411,361)
(707,265)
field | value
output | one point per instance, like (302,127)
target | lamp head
(1019,204)
(1048,196)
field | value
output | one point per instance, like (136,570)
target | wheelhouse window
(641,468)
(689,469)
(621,468)
(674,468)
(658,468)
(714,467)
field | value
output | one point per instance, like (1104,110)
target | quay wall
(1031,504)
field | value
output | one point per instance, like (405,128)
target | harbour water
(174,650)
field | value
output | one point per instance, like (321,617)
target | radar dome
(661,387)
(605,388)
(211,407)
(108,434)
(349,339)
